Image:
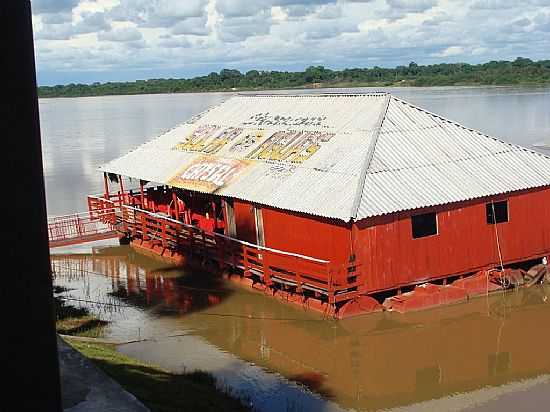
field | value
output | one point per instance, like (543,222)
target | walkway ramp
(80,228)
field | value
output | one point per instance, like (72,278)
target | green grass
(160,390)
(71,320)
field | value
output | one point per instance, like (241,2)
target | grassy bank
(158,389)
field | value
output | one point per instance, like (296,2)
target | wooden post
(265,265)
(106,185)
(220,243)
(163,233)
(143,227)
(215,215)
(121,190)
(298,277)
(246,271)
(142,194)
(176,206)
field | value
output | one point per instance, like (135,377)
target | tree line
(521,71)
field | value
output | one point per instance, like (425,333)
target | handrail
(77,214)
(242,242)
(338,281)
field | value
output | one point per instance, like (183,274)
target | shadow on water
(138,281)
(71,319)
(162,390)
(314,382)
(372,362)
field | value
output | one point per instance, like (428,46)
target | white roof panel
(422,160)
(333,155)
(302,153)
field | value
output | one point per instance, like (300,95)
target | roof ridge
(370,154)
(323,94)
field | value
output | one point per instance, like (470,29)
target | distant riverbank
(520,72)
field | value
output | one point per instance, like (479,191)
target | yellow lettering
(310,151)
(215,145)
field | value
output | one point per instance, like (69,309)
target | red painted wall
(306,235)
(245,223)
(465,242)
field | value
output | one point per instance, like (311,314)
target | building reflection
(368,363)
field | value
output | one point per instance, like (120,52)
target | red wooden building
(336,201)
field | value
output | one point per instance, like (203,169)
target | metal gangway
(80,228)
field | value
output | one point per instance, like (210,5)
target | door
(260,239)
(230,228)
(245,221)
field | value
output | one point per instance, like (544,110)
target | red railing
(336,282)
(81,227)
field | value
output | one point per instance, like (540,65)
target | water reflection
(367,363)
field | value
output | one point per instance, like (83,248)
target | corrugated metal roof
(333,155)
(422,160)
(301,153)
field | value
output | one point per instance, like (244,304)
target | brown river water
(488,354)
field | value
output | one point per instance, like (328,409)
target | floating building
(340,202)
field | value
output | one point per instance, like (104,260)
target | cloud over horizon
(104,40)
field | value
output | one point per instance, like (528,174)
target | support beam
(29,344)
(106,185)
(121,185)
(142,193)
(176,205)
(214,213)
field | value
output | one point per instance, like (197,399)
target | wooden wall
(464,243)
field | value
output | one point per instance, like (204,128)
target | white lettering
(216,173)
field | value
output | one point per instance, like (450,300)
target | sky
(86,41)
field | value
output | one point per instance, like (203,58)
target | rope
(497,238)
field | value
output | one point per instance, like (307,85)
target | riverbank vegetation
(158,389)
(521,71)
(75,321)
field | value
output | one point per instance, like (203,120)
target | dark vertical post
(106,185)
(176,205)
(142,194)
(29,340)
(215,215)
(122,201)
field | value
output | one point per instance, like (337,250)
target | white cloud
(494,4)
(53,6)
(237,29)
(127,34)
(64,29)
(106,39)
(175,43)
(195,25)
(451,51)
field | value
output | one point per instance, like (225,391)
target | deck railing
(271,266)
(81,227)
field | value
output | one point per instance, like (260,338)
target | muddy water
(284,358)
(446,359)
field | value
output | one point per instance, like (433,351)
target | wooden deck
(274,268)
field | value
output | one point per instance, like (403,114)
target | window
(424,225)
(497,212)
